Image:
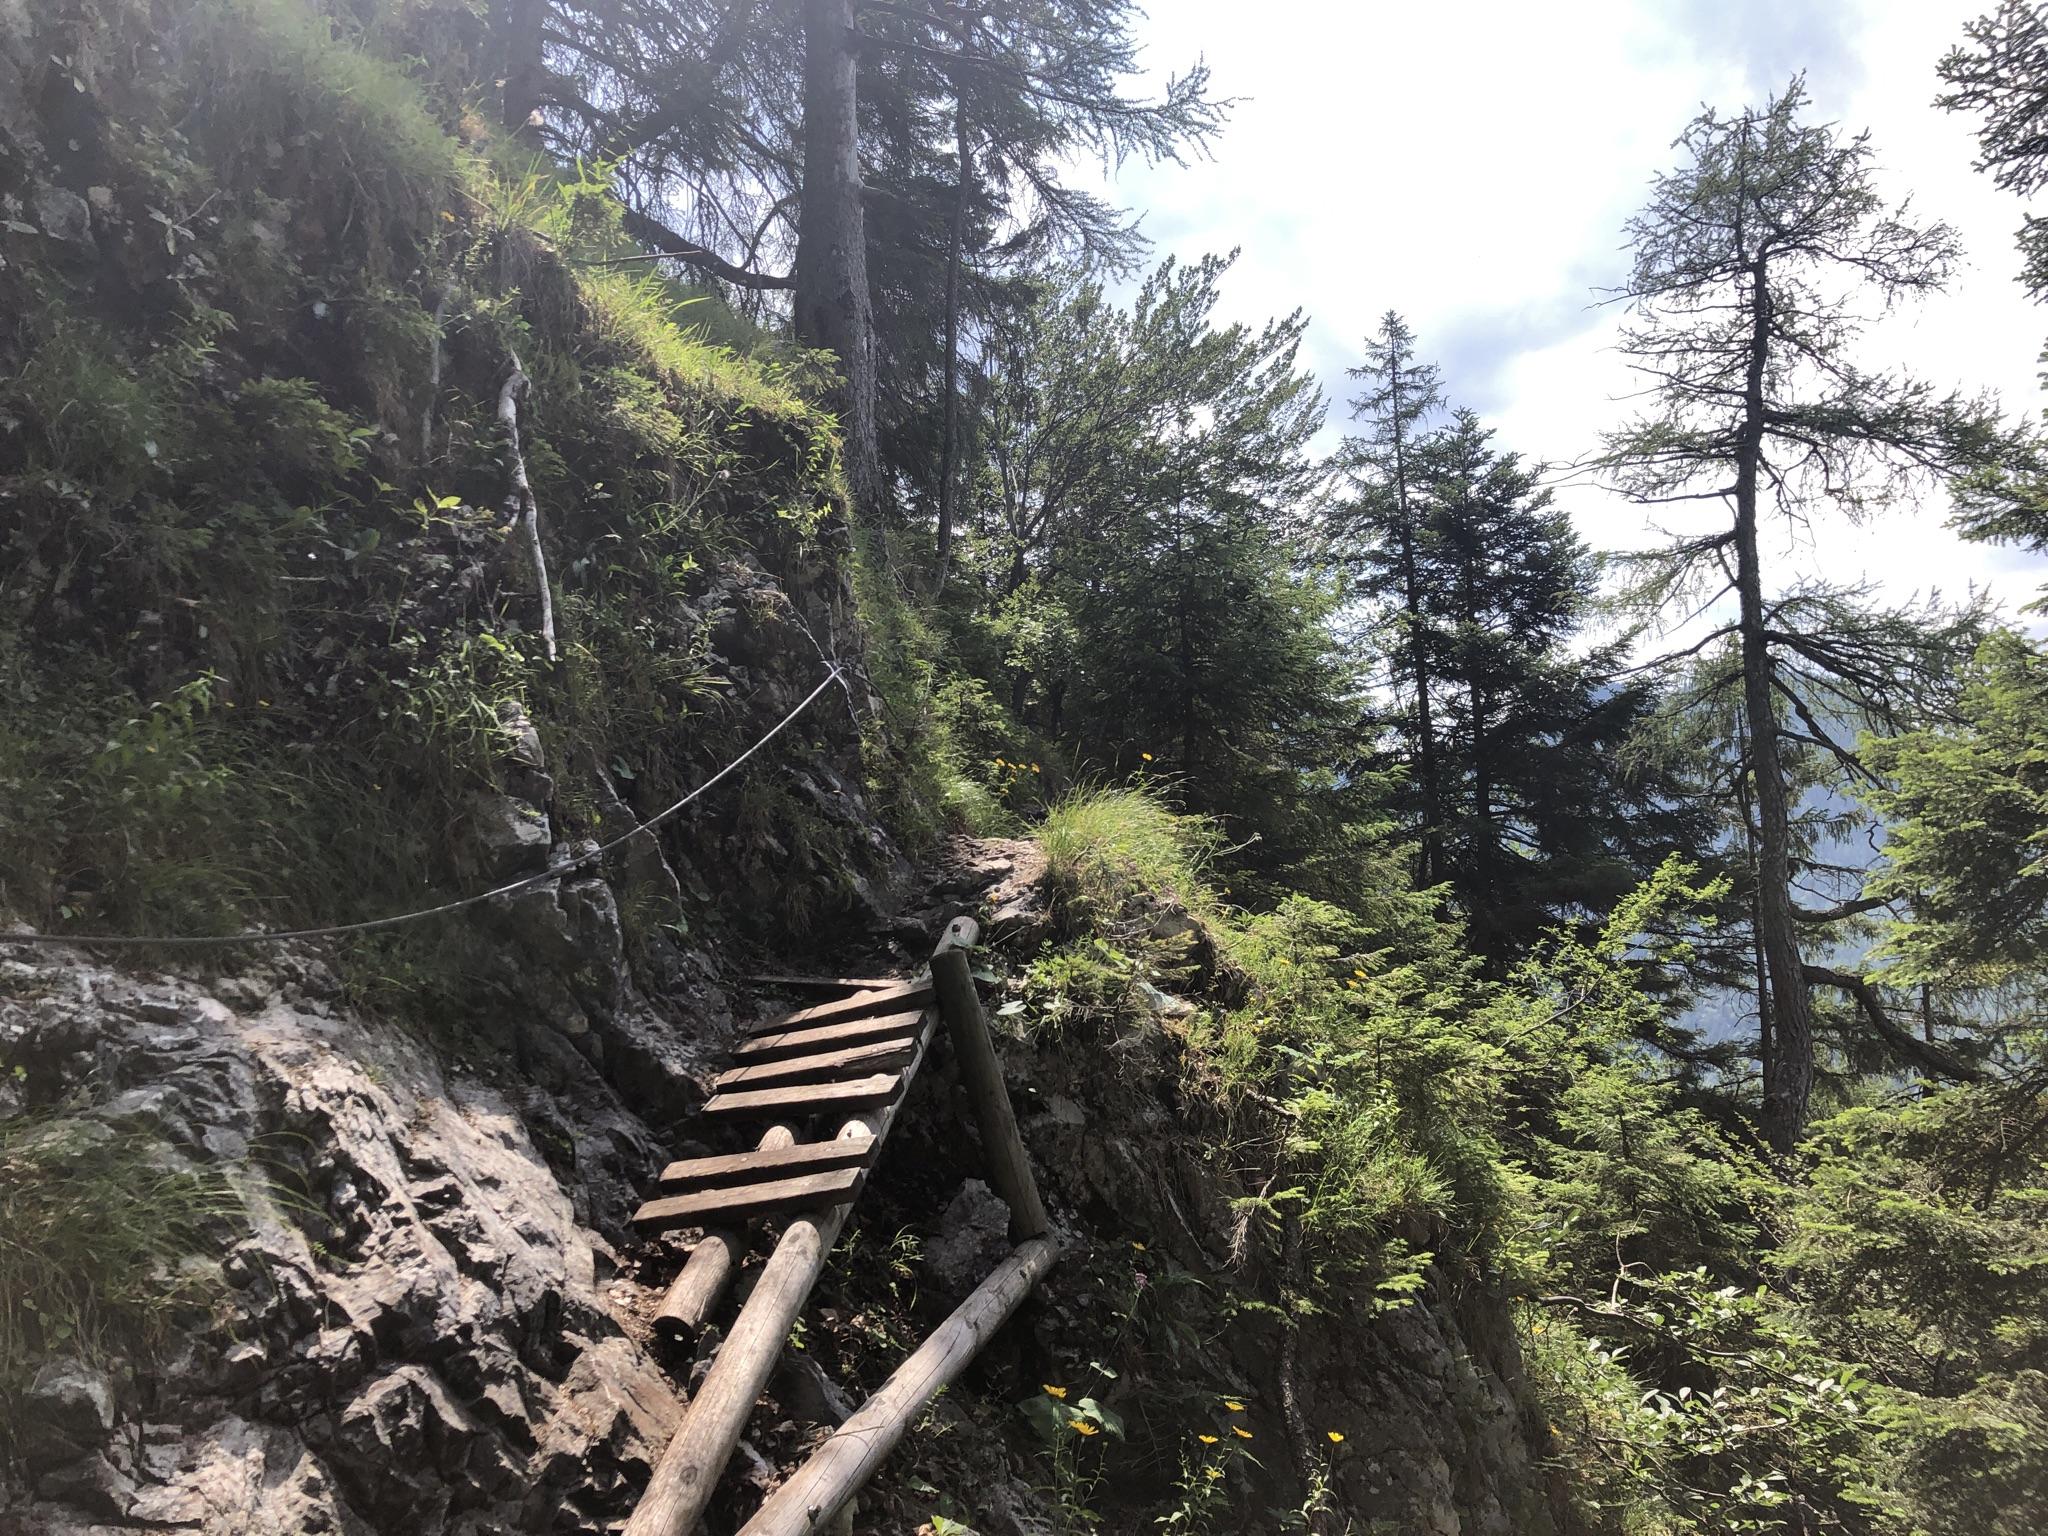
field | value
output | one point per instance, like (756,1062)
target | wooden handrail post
(817,1490)
(960,1007)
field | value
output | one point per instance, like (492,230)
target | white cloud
(1473,165)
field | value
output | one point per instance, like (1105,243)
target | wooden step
(760,1167)
(861,1005)
(825,1037)
(810,1191)
(819,1066)
(805,1098)
(828,983)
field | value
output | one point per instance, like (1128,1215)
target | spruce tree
(1379,533)
(1547,816)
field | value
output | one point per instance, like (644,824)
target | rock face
(416,1330)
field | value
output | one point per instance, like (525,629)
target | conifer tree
(2001,73)
(1755,264)
(1546,817)
(1378,532)
(873,159)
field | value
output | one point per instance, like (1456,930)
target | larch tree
(2001,74)
(1379,532)
(885,163)
(1758,264)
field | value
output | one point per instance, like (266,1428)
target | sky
(1473,165)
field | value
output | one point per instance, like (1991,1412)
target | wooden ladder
(851,1057)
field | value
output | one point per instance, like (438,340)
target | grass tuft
(1107,848)
(97,1230)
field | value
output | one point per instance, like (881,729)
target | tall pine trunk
(1790,1008)
(1484,840)
(949,448)
(1411,591)
(833,307)
(1765,1056)
(519,26)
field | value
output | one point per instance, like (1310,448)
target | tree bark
(834,310)
(1411,585)
(665,242)
(1485,850)
(1790,1006)
(520,23)
(1765,1057)
(821,1487)
(949,448)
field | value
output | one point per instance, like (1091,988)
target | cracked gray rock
(411,1331)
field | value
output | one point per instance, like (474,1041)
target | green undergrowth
(944,752)
(101,1238)
(265,628)
(1709,1342)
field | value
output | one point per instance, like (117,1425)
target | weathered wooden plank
(688,1471)
(819,1066)
(806,1192)
(709,1269)
(825,1037)
(903,994)
(827,983)
(757,1167)
(805,1098)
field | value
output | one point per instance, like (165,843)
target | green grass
(99,1232)
(1105,848)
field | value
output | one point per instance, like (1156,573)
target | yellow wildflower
(1242,1434)
(1336,1437)
(1206,1439)
(1053,1391)
(1359,974)
(1285,961)
(1084,1427)
(1034,767)
(1233,1405)
(1146,755)
(1140,1247)
(1214,1473)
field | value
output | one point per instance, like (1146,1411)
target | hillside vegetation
(435,436)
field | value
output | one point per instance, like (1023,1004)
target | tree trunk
(1790,1007)
(1764,1055)
(833,307)
(1484,848)
(949,449)
(1411,584)
(1184,648)
(519,24)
